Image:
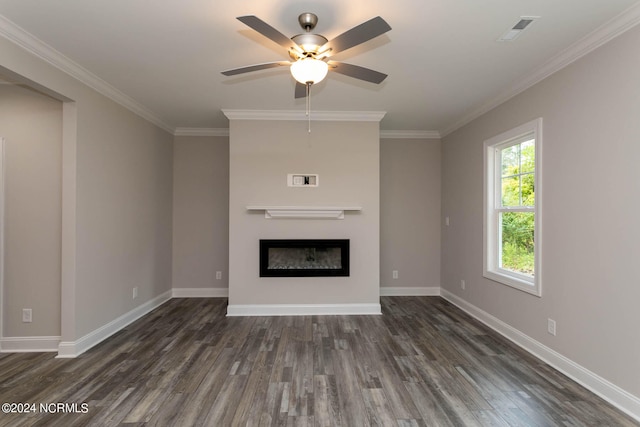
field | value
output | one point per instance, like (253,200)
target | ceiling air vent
(518,28)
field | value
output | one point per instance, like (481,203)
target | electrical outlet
(446,221)
(27,315)
(218,275)
(463,284)
(551,327)
(135,292)
(394,274)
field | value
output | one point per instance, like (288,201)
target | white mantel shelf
(304,212)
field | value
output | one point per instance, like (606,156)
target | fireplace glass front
(304,258)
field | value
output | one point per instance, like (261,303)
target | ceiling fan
(310,52)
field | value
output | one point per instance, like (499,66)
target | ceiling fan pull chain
(307,100)
(309,105)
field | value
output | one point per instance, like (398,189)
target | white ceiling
(442,57)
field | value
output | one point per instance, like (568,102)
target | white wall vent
(302,180)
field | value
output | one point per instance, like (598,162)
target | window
(512,205)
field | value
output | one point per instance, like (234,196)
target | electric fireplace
(304,258)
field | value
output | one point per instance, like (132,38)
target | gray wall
(124,212)
(118,200)
(31,123)
(590,201)
(200,211)
(410,212)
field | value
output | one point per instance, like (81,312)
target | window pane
(516,245)
(511,191)
(527,156)
(510,160)
(528,193)
(517,174)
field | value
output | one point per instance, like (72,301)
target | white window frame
(492,232)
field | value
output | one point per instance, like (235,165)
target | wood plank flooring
(422,363)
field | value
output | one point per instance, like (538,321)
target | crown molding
(384,134)
(601,35)
(336,116)
(37,47)
(409,134)
(201,132)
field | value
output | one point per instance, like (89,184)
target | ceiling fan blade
(357,35)
(301,90)
(269,32)
(357,72)
(255,67)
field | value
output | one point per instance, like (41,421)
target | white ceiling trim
(32,44)
(409,134)
(601,35)
(336,116)
(384,134)
(201,132)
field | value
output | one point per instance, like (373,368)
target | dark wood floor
(423,363)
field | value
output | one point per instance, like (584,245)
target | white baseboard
(70,349)
(610,392)
(29,344)
(200,292)
(302,309)
(410,291)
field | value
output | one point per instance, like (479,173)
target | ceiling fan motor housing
(310,43)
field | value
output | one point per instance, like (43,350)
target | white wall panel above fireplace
(347,156)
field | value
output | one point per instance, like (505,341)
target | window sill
(513,281)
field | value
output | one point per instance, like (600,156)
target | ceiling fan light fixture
(309,70)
